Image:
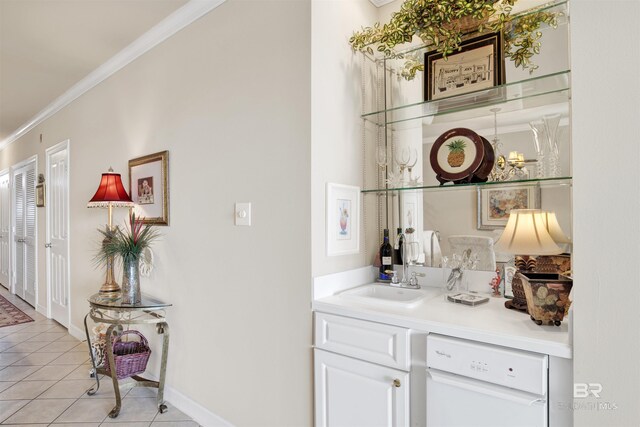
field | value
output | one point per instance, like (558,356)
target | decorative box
(547,296)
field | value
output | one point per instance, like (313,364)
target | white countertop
(489,322)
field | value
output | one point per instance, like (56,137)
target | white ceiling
(46,46)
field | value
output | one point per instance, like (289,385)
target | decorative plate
(457,154)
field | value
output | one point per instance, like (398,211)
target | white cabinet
(351,392)
(361,372)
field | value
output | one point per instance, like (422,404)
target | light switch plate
(243,214)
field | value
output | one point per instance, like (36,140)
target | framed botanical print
(495,203)
(149,187)
(343,219)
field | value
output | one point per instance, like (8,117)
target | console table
(118,315)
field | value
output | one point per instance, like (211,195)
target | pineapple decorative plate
(461,156)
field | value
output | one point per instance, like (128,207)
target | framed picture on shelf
(479,64)
(343,219)
(149,187)
(495,203)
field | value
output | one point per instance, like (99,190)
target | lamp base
(110,289)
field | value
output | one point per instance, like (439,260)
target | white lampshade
(526,234)
(553,227)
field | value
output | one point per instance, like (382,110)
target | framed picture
(494,204)
(479,64)
(343,219)
(40,195)
(149,187)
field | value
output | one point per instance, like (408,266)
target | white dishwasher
(472,384)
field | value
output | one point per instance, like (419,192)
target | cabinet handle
(396,383)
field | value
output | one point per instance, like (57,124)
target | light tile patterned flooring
(44,376)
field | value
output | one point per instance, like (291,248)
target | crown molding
(380,3)
(182,17)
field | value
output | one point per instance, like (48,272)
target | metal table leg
(114,375)
(163,328)
(92,390)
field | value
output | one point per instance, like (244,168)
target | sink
(388,295)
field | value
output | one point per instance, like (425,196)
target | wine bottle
(397,248)
(386,256)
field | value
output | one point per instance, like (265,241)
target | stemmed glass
(410,166)
(381,156)
(402,160)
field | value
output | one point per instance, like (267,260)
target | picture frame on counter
(149,187)
(495,203)
(477,65)
(342,219)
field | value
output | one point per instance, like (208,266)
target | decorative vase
(131,282)
(551,124)
(540,140)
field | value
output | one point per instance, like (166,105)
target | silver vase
(131,282)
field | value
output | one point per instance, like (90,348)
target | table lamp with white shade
(526,236)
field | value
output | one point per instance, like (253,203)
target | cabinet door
(352,393)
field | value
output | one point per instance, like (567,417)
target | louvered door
(24,182)
(5,228)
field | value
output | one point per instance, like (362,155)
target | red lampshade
(111,191)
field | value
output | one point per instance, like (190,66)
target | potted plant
(128,246)
(443,24)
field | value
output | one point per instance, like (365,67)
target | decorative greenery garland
(440,23)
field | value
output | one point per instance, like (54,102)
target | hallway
(44,375)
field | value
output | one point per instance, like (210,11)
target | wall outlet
(243,214)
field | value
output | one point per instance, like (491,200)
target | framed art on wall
(40,195)
(342,219)
(477,65)
(494,204)
(149,187)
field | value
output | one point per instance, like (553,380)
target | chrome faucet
(405,282)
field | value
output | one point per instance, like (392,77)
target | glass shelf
(521,95)
(563,181)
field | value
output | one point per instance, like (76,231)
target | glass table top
(147,303)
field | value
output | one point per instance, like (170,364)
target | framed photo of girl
(149,187)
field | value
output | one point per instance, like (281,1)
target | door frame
(64,145)
(7,171)
(32,159)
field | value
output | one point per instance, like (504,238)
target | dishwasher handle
(483,387)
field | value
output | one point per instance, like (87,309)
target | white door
(351,392)
(24,231)
(5,230)
(57,253)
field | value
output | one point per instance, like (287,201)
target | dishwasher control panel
(518,369)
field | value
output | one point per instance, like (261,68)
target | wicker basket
(130,357)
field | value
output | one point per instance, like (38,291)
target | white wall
(336,138)
(229,97)
(606,102)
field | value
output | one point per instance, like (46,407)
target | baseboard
(197,412)
(77,333)
(41,309)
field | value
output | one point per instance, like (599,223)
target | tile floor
(44,376)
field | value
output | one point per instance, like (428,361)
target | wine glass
(402,159)
(381,156)
(410,166)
